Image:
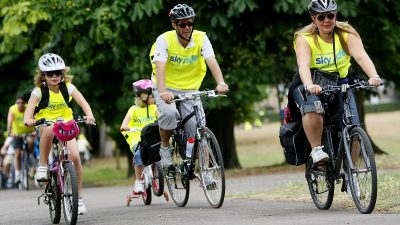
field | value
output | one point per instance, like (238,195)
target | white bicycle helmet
(321,6)
(51,62)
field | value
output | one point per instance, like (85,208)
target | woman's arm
(356,49)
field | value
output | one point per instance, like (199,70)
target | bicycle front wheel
(212,174)
(25,169)
(320,184)
(158,179)
(178,178)
(363,178)
(70,194)
(54,200)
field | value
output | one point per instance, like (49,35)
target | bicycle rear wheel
(70,195)
(212,174)
(320,184)
(178,179)
(363,179)
(158,179)
(54,201)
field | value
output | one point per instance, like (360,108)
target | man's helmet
(321,6)
(142,86)
(51,62)
(181,11)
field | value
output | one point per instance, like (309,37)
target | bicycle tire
(363,180)
(178,179)
(146,196)
(54,201)
(70,195)
(158,179)
(25,170)
(211,165)
(320,184)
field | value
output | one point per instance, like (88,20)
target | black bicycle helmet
(321,6)
(181,11)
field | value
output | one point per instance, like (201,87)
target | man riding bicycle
(17,130)
(179,59)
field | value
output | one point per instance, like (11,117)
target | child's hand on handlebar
(375,81)
(90,120)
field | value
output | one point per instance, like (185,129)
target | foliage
(106,43)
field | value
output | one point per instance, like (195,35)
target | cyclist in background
(52,77)
(314,45)
(179,59)
(143,112)
(17,130)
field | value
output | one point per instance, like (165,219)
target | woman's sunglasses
(330,16)
(183,25)
(54,72)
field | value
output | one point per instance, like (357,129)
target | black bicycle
(205,163)
(351,157)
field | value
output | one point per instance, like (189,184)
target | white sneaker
(81,207)
(166,157)
(318,155)
(41,173)
(138,188)
(209,180)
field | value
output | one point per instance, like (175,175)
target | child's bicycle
(62,184)
(153,179)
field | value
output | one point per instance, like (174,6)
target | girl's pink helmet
(66,131)
(142,86)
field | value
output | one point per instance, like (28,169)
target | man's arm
(10,119)
(212,63)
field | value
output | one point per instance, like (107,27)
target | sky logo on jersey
(184,60)
(143,120)
(323,59)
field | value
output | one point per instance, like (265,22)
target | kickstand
(38,199)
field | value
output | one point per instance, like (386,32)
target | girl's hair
(340,27)
(40,81)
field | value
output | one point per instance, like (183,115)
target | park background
(106,44)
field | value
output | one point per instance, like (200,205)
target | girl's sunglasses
(330,16)
(54,72)
(183,25)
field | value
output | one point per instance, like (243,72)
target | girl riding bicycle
(323,51)
(48,100)
(142,113)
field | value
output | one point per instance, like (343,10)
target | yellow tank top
(322,57)
(17,126)
(185,67)
(57,107)
(139,119)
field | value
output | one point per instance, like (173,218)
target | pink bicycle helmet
(142,86)
(66,131)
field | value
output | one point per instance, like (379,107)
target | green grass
(104,172)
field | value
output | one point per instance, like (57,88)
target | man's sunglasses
(330,16)
(54,72)
(183,25)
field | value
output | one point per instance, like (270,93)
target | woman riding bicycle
(314,45)
(51,81)
(179,59)
(139,115)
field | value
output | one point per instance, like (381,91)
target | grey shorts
(170,114)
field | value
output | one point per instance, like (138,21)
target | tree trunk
(359,96)
(222,122)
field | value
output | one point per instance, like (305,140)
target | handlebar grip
(40,121)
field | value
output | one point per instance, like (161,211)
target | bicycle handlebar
(197,94)
(44,122)
(359,84)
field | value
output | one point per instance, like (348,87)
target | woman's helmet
(51,62)
(181,11)
(321,6)
(142,86)
(66,131)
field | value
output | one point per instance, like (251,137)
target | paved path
(107,206)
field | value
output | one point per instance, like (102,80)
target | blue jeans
(137,159)
(313,103)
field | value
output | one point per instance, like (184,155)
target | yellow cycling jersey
(322,57)
(57,107)
(139,119)
(185,67)
(17,125)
